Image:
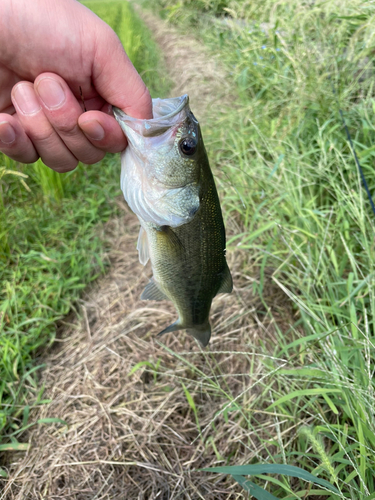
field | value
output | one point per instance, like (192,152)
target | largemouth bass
(167,182)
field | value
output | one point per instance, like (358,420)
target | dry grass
(192,70)
(132,434)
(135,434)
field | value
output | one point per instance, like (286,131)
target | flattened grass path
(131,432)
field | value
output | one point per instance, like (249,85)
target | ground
(124,393)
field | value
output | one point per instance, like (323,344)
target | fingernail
(93,130)
(25,99)
(7,133)
(51,92)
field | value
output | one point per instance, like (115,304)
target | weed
(289,177)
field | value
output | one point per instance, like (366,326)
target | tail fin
(200,332)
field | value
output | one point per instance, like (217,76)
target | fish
(167,182)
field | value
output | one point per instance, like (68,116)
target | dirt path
(131,432)
(191,69)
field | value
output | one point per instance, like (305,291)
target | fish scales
(195,278)
(167,182)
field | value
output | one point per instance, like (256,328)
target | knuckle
(68,129)
(42,135)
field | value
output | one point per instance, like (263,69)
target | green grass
(52,243)
(307,222)
(307,225)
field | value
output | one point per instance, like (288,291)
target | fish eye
(188,146)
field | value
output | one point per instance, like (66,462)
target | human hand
(48,50)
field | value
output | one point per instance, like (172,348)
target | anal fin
(171,328)
(153,292)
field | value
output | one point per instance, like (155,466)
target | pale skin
(48,50)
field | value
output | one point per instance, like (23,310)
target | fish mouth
(163,110)
(157,132)
(168,108)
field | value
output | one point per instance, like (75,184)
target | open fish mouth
(159,183)
(167,113)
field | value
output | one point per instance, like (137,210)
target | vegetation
(306,219)
(52,243)
(291,183)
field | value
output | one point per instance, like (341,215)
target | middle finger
(63,110)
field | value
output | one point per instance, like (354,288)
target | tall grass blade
(286,470)
(255,490)
(51,182)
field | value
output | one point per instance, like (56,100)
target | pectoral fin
(142,247)
(153,292)
(168,238)
(226,285)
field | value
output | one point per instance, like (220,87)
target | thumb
(116,79)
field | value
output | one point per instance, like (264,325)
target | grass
(303,394)
(53,243)
(307,222)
